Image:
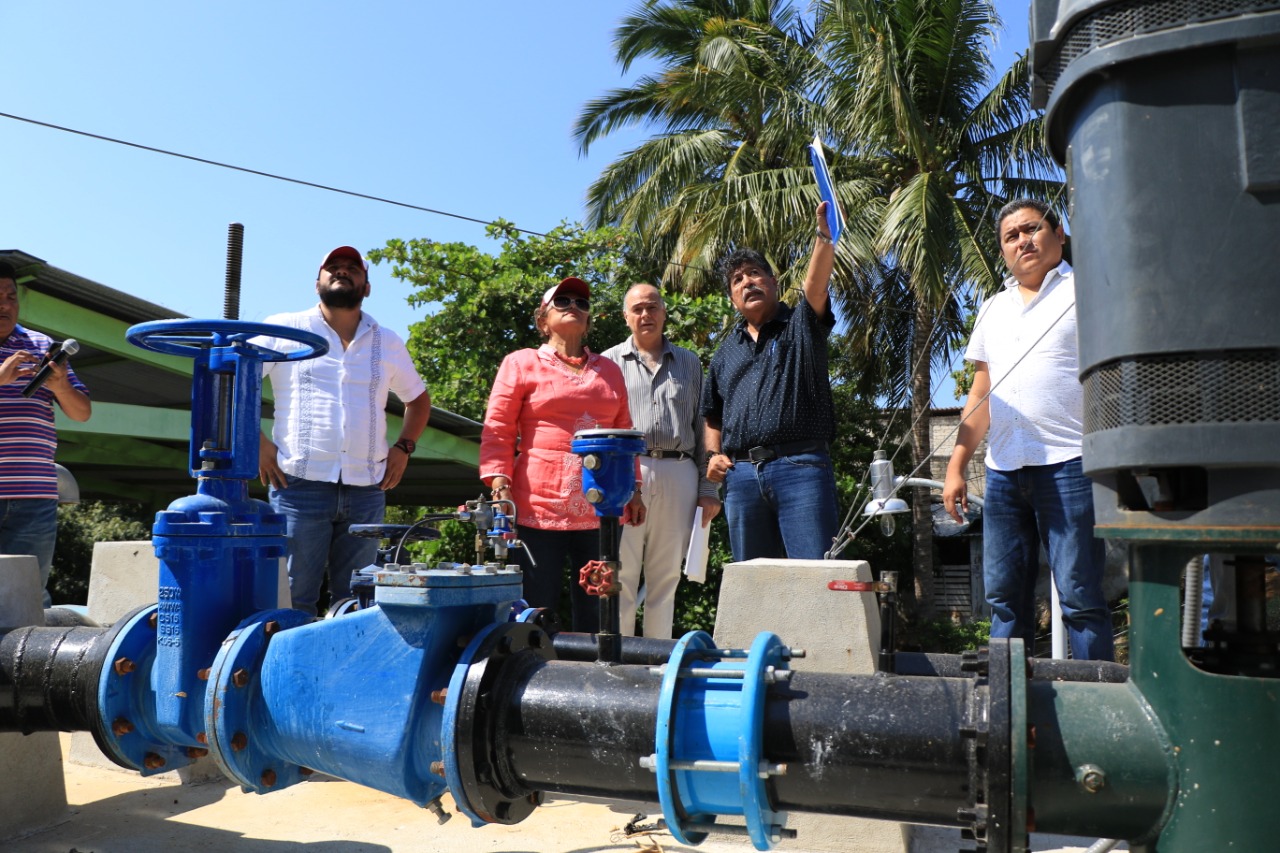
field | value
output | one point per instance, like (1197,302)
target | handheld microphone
(58,354)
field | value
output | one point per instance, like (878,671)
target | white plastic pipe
(1057,630)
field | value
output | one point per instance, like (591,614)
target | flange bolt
(1091,777)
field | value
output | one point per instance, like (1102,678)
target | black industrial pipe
(609,638)
(65,617)
(654,652)
(570,645)
(49,678)
(871,746)
(1042,669)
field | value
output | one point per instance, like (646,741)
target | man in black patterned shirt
(768,410)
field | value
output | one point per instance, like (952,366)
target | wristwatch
(408,445)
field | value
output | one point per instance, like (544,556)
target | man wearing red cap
(327,464)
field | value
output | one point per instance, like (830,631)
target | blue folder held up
(826,188)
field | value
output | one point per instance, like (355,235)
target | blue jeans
(1050,506)
(30,526)
(317,515)
(785,507)
(542,585)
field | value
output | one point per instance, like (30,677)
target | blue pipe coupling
(710,737)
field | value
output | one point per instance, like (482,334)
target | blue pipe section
(356,697)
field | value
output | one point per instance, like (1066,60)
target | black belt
(765,453)
(668,454)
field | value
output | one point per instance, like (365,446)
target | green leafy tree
(79,527)
(936,151)
(481,305)
(732,109)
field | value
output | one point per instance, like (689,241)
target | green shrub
(79,527)
(944,636)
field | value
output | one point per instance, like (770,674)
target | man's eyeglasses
(563,302)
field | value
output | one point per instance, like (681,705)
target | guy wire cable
(844,536)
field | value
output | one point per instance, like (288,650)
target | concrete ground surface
(112,811)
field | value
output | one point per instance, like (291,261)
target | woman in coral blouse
(540,398)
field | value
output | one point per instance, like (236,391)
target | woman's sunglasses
(563,302)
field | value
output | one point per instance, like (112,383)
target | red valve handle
(859,586)
(598,578)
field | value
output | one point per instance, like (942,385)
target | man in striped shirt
(28,480)
(664,387)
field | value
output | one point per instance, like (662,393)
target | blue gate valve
(219,551)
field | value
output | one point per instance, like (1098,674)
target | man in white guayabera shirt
(1027,391)
(327,463)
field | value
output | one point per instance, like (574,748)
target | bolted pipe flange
(127,731)
(975,661)
(483,785)
(998,737)
(711,763)
(229,701)
(542,617)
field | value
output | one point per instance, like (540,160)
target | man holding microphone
(28,479)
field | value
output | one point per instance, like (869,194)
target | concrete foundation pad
(840,633)
(33,793)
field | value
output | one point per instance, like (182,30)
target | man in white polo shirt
(1026,391)
(329,465)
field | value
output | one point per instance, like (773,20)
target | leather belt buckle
(761,454)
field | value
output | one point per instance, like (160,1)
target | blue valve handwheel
(188,338)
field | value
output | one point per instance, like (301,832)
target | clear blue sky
(462,107)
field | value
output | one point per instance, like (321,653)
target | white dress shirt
(330,412)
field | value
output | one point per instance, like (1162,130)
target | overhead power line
(259,172)
(314,185)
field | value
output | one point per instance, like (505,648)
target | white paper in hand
(695,559)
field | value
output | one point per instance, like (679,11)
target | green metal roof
(136,444)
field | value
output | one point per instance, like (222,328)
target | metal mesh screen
(1140,17)
(1194,388)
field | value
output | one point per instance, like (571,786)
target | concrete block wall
(840,633)
(34,794)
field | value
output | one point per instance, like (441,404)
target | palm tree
(923,148)
(910,89)
(730,102)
